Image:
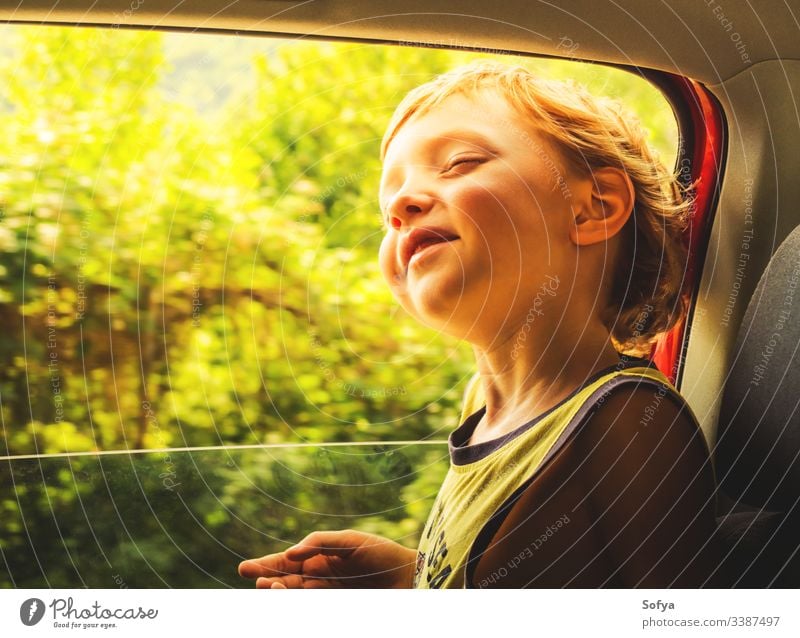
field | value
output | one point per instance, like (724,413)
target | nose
(406,204)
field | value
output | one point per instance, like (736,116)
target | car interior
(731,74)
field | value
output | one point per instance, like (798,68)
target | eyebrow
(459,135)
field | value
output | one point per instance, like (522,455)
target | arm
(650,487)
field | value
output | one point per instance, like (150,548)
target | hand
(341,559)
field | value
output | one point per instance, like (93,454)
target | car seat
(757,452)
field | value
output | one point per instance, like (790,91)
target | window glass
(186,519)
(189,229)
(189,236)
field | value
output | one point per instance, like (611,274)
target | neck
(524,378)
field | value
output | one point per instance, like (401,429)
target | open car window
(201,359)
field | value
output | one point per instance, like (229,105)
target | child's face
(474,171)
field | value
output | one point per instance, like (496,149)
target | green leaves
(188,257)
(190,223)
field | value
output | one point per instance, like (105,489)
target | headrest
(758,444)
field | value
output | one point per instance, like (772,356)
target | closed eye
(462,162)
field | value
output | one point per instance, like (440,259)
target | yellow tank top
(483,476)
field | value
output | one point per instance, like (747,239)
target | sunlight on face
(472,172)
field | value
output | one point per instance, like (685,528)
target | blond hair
(646,296)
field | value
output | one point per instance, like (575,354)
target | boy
(531,219)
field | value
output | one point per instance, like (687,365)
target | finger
(287,582)
(269,565)
(326,543)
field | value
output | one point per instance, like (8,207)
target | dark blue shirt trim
(462,454)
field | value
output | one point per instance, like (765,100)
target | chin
(440,312)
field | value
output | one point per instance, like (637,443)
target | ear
(603,206)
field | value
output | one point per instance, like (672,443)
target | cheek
(386,259)
(490,216)
(469,196)
(495,201)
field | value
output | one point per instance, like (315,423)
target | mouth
(422,241)
(425,247)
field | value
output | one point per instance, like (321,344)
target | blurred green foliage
(189,232)
(179,274)
(186,519)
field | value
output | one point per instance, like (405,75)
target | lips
(420,238)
